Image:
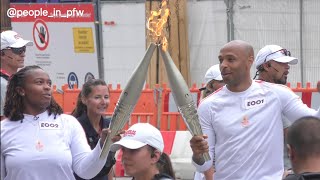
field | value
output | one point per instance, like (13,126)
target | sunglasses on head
(283,51)
(18,51)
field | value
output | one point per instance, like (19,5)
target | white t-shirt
(41,147)
(199,176)
(3,90)
(245,130)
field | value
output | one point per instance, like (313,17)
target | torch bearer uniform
(44,147)
(245,131)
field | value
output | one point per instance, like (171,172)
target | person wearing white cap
(272,64)
(143,157)
(213,80)
(242,122)
(13,49)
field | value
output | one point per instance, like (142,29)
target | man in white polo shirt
(273,63)
(242,121)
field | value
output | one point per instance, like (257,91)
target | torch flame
(156,22)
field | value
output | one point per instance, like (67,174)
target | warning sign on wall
(40,34)
(83,40)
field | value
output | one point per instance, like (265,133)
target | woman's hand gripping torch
(182,97)
(128,99)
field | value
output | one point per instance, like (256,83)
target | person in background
(304,149)
(92,103)
(38,141)
(143,157)
(242,122)
(214,81)
(13,49)
(272,64)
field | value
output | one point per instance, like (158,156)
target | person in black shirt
(92,103)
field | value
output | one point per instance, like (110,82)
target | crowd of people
(249,125)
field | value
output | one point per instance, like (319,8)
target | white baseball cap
(139,135)
(276,53)
(213,73)
(14,40)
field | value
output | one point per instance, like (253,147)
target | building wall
(258,22)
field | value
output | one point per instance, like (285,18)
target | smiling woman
(92,103)
(36,135)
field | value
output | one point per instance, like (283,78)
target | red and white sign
(40,34)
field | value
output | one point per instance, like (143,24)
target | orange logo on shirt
(245,121)
(39,146)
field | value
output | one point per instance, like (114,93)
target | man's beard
(280,81)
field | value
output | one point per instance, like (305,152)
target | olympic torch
(182,97)
(128,99)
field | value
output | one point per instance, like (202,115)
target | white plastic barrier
(315,100)
(181,155)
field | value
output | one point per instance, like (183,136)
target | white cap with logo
(139,135)
(276,53)
(14,40)
(213,73)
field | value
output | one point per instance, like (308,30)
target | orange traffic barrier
(58,95)
(114,97)
(139,117)
(70,97)
(146,102)
(306,93)
(172,121)
(154,104)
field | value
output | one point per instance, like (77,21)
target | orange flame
(156,22)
